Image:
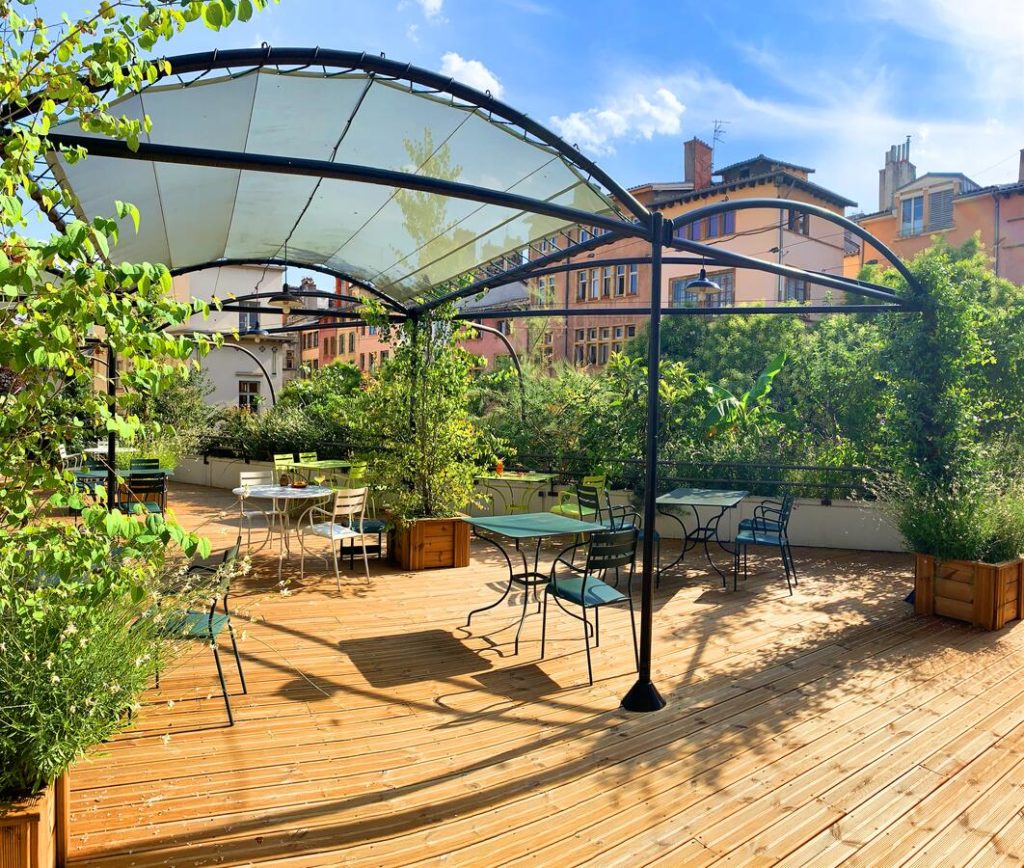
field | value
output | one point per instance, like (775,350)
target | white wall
(227,366)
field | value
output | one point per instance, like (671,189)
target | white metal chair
(70,460)
(337,522)
(246,516)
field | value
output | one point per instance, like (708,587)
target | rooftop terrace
(830,725)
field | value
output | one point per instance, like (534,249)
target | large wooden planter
(429,543)
(986,595)
(34,831)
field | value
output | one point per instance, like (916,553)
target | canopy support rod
(643,695)
(480,327)
(278,165)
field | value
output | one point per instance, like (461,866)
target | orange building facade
(948,205)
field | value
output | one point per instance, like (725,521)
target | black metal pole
(111,436)
(515,361)
(644,696)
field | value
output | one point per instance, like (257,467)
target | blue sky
(829,85)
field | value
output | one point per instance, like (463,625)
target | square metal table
(309,468)
(518,527)
(696,499)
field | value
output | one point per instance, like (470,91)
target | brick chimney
(697,163)
(897,172)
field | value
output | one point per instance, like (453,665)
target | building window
(581,285)
(289,359)
(940,209)
(798,222)
(606,282)
(580,334)
(592,334)
(249,395)
(616,348)
(595,282)
(726,296)
(248,320)
(362,361)
(618,331)
(316,340)
(577,357)
(620,280)
(912,216)
(504,327)
(720,224)
(631,331)
(584,234)
(606,333)
(548,337)
(602,355)
(634,279)
(384,355)
(794,290)
(373,361)
(351,342)
(591,354)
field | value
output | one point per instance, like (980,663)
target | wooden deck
(826,727)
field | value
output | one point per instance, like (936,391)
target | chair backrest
(144,464)
(349,505)
(307,457)
(597,480)
(147,483)
(589,497)
(251,478)
(786,510)
(283,460)
(357,474)
(224,583)
(610,549)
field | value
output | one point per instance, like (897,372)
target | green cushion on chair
(598,593)
(193,625)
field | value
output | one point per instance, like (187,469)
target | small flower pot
(986,595)
(429,543)
(34,830)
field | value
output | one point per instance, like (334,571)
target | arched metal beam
(794,205)
(515,361)
(291,263)
(350,61)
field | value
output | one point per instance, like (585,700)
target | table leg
(508,588)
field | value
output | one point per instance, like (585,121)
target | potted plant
(431,450)
(967,535)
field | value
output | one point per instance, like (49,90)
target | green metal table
(308,468)
(696,499)
(527,483)
(524,526)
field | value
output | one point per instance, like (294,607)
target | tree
(83,583)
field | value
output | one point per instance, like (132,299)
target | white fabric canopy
(408,244)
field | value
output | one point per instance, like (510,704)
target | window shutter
(940,209)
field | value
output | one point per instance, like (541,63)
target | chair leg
(636,645)
(334,558)
(586,639)
(223,685)
(792,563)
(544,624)
(736,567)
(785,567)
(238,660)
(366,558)
(302,559)
(597,627)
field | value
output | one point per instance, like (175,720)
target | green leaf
(214,14)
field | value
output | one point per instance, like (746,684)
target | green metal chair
(608,550)
(568,501)
(148,490)
(283,461)
(143,464)
(367,525)
(766,531)
(208,625)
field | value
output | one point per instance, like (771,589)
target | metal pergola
(504,224)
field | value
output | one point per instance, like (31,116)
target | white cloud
(472,73)
(630,115)
(412,33)
(431,8)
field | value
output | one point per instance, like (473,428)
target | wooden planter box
(986,595)
(429,543)
(34,831)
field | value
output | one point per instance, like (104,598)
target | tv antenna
(717,136)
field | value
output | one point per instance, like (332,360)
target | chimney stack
(897,172)
(697,163)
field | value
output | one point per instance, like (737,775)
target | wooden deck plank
(377,731)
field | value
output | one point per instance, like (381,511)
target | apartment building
(787,236)
(236,378)
(913,211)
